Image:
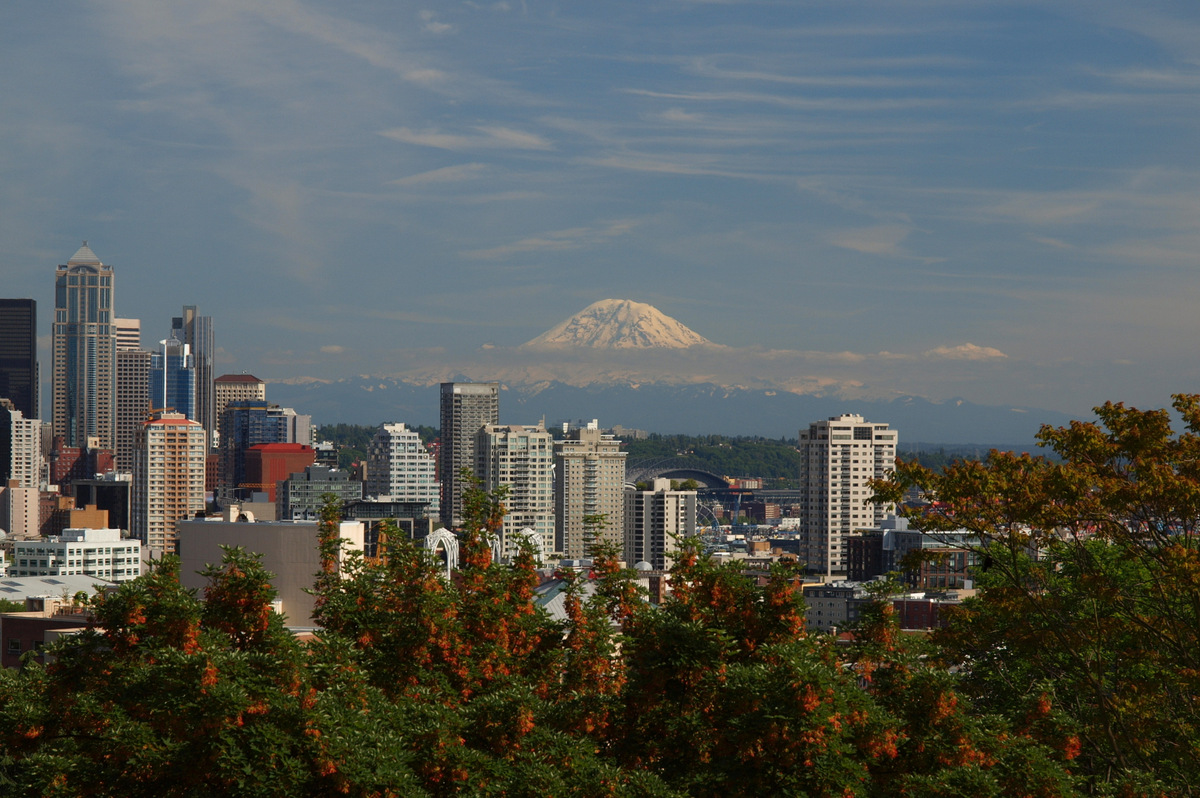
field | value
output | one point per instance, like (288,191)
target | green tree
(1086,633)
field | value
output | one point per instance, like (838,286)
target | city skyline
(994,202)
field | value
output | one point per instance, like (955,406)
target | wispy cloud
(556,240)
(484,138)
(966,352)
(446,174)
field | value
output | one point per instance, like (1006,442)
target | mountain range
(626,363)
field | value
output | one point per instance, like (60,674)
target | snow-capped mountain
(619,324)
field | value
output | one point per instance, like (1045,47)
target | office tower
(838,458)
(250,422)
(133,402)
(168,478)
(129,334)
(466,408)
(197,332)
(84,344)
(173,378)
(20,447)
(589,483)
(18,355)
(520,458)
(400,468)
(236,388)
(302,495)
(655,521)
(267,464)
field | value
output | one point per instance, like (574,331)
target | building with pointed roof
(84,352)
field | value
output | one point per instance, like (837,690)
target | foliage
(776,460)
(351,439)
(1087,631)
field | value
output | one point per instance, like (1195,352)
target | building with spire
(83,341)
(196,332)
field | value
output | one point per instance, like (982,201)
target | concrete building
(400,468)
(288,549)
(18,356)
(589,482)
(133,402)
(301,495)
(236,388)
(196,332)
(655,521)
(520,458)
(168,478)
(129,334)
(248,423)
(110,493)
(83,342)
(267,464)
(466,407)
(838,458)
(20,447)
(100,553)
(20,510)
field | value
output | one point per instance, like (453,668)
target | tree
(1086,634)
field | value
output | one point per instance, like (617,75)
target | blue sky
(997,201)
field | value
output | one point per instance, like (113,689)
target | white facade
(838,458)
(101,553)
(655,521)
(25,446)
(590,482)
(168,478)
(400,468)
(521,458)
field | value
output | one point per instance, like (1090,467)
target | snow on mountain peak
(619,324)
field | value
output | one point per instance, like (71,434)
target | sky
(996,201)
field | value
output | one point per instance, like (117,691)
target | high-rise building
(235,388)
(655,521)
(173,378)
(838,458)
(84,344)
(269,463)
(133,402)
(520,458)
(168,478)
(20,447)
(466,408)
(400,468)
(18,355)
(129,334)
(589,490)
(251,422)
(197,332)
(20,510)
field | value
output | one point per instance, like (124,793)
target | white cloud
(491,138)
(966,351)
(447,174)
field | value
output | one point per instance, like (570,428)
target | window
(14,645)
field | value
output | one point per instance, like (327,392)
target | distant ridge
(618,324)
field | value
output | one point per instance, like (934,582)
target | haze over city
(992,202)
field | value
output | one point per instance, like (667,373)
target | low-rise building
(99,553)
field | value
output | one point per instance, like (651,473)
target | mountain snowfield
(619,324)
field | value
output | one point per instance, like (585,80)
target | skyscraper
(466,408)
(84,344)
(173,378)
(20,447)
(168,478)
(400,468)
(197,332)
(129,334)
(18,355)
(590,483)
(838,457)
(520,458)
(133,402)
(655,521)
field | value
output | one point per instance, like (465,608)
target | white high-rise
(522,459)
(590,483)
(655,521)
(838,458)
(401,469)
